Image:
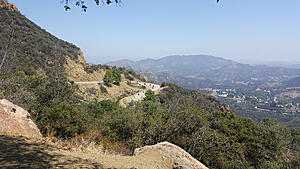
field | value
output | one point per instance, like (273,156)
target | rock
(16,121)
(180,158)
(4,3)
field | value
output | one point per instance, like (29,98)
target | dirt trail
(18,152)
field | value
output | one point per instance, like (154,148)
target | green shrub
(117,76)
(62,120)
(150,95)
(109,105)
(112,77)
(163,84)
(108,77)
(216,138)
(103,89)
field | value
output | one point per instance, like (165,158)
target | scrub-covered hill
(33,60)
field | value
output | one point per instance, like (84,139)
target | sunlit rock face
(16,121)
(4,3)
(180,158)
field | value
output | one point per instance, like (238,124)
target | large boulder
(180,158)
(16,121)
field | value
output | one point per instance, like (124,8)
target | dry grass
(75,71)
(95,141)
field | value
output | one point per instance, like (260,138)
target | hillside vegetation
(31,58)
(34,76)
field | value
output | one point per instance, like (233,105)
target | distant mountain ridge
(196,71)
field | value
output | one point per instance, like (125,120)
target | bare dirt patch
(19,152)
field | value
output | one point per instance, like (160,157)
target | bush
(112,77)
(108,77)
(108,105)
(163,84)
(150,95)
(62,120)
(103,89)
(117,76)
(216,138)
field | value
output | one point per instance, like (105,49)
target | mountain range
(203,71)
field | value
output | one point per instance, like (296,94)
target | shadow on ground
(16,152)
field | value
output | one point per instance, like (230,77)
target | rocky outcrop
(180,158)
(4,3)
(16,121)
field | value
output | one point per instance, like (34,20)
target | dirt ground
(19,152)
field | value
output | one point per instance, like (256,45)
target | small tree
(117,76)
(150,95)
(112,77)
(108,78)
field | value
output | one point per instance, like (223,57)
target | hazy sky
(242,30)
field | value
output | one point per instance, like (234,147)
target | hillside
(67,100)
(203,71)
(33,58)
